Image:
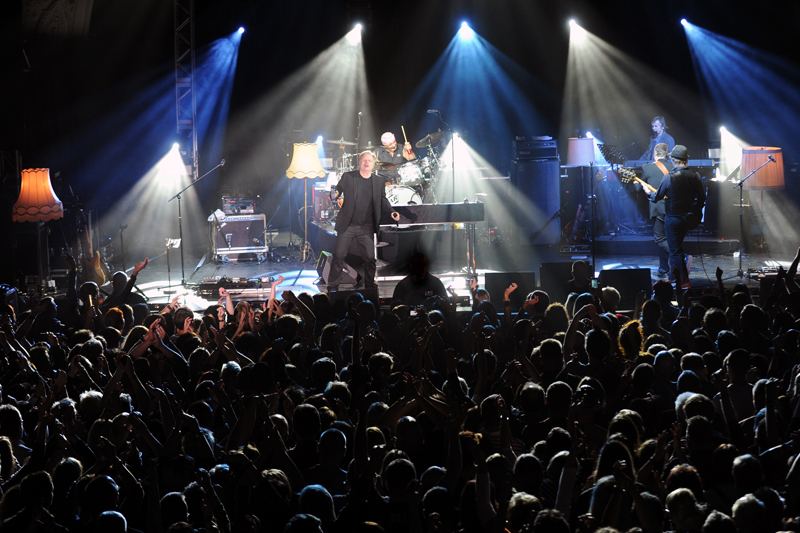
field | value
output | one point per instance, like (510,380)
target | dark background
(53,87)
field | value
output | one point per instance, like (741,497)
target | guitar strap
(662,167)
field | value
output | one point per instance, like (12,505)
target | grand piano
(468,213)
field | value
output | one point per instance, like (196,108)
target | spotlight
(589,135)
(576,32)
(685,22)
(241,30)
(466,33)
(176,146)
(722,129)
(354,35)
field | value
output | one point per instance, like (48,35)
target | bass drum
(403,196)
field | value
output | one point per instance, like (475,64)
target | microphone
(258,241)
(772,159)
(433,111)
(222,163)
(359,113)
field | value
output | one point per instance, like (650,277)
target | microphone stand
(453,161)
(180,222)
(741,211)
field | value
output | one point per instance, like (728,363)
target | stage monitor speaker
(349,275)
(629,282)
(498,282)
(538,182)
(553,277)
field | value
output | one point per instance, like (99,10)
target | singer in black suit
(359,219)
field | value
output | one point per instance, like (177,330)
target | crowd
(299,415)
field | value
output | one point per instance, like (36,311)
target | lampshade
(580,152)
(37,201)
(305,162)
(767,177)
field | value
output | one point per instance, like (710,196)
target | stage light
(241,30)
(354,35)
(466,33)
(685,22)
(589,134)
(577,33)
(176,146)
(722,129)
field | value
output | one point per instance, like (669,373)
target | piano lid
(437,214)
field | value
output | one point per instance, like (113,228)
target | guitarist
(652,173)
(685,197)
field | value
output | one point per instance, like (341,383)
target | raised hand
(141,265)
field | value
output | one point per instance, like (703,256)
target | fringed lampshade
(768,177)
(305,164)
(37,201)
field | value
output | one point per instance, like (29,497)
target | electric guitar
(626,176)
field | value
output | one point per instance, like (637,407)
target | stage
(632,269)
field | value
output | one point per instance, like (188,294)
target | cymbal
(341,141)
(431,138)
(370,147)
(381,164)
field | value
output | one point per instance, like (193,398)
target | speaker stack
(535,176)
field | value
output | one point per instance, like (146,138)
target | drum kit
(415,182)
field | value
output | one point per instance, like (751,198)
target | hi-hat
(341,141)
(431,138)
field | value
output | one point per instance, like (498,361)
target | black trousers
(364,236)
(660,236)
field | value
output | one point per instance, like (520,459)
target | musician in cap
(652,174)
(684,198)
(660,135)
(390,156)
(359,220)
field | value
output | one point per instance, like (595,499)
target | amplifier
(239,205)
(240,234)
(534,148)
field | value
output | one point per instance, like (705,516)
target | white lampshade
(37,201)
(580,152)
(305,162)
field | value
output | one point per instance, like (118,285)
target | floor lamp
(580,153)
(305,164)
(759,175)
(37,203)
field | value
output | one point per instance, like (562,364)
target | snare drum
(428,165)
(410,174)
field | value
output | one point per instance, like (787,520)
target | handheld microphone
(772,159)
(433,111)
(222,163)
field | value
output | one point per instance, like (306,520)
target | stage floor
(160,286)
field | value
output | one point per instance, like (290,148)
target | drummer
(391,157)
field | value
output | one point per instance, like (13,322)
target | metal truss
(185,99)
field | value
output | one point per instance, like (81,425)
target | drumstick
(404,134)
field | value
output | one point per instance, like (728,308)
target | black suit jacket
(652,175)
(346,187)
